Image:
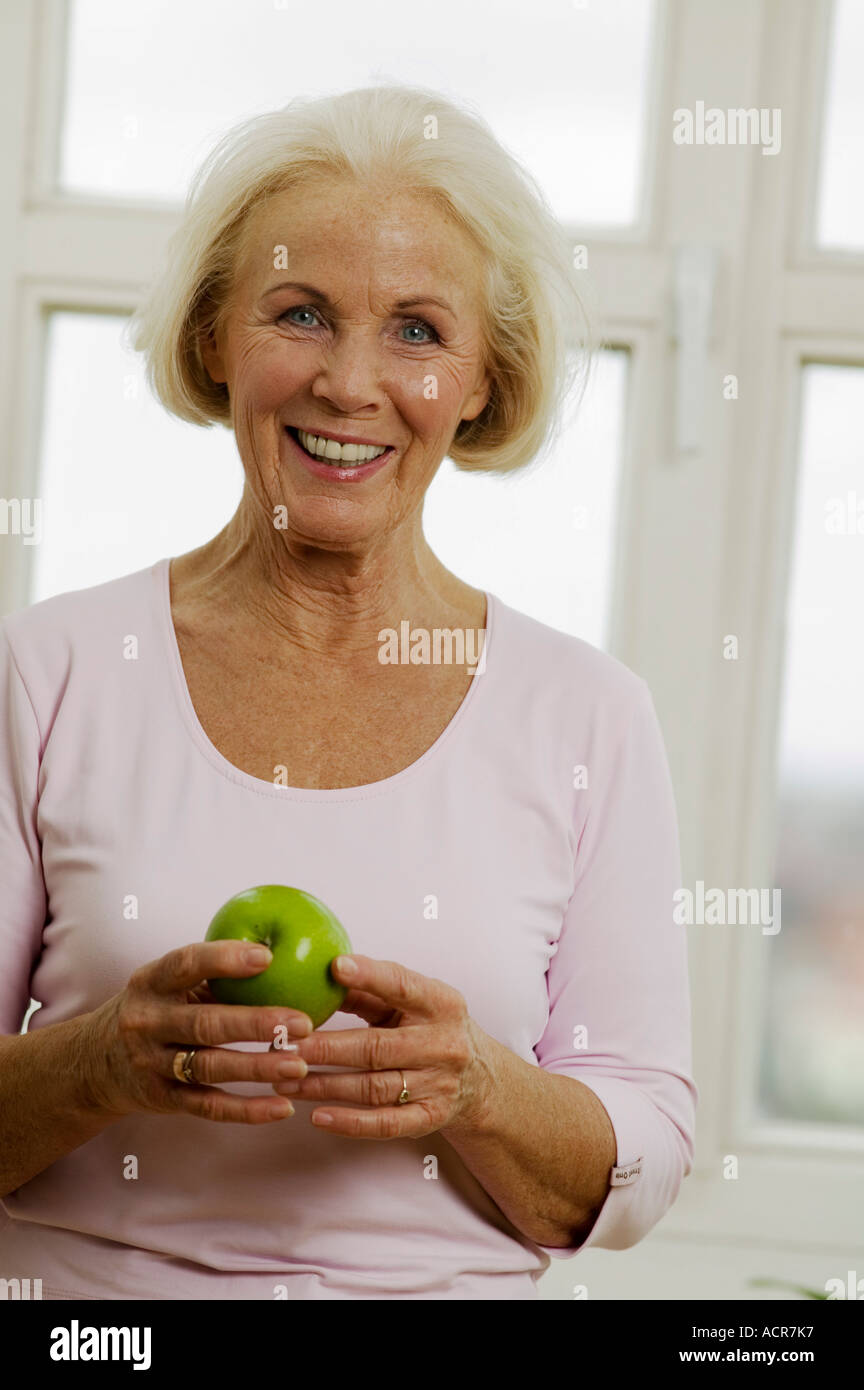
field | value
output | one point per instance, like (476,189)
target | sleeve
(23,900)
(619,1000)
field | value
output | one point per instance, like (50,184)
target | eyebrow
(314,293)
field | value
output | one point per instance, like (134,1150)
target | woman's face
(345,338)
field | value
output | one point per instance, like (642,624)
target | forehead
(339,233)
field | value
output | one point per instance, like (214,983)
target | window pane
(840,203)
(122,482)
(813,1059)
(543,539)
(151,86)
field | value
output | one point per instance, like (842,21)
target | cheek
(266,373)
(428,394)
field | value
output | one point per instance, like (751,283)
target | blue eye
(427,327)
(298,309)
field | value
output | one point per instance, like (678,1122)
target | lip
(330,472)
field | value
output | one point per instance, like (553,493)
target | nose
(351,374)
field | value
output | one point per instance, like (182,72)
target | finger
(215,1066)
(209,1103)
(370,1007)
(373,1049)
(208,1025)
(362,1088)
(187,966)
(411,1121)
(401,988)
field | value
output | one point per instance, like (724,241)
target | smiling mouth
(325,450)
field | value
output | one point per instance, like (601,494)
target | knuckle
(433,1119)
(211,1106)
(203,1067)
(203,1025)
(390,1126)
(455,1051)
(379,1088)
(137,981)
(157,1094)
(173,1100)
(184,960)
(132,1018)
(377,1044)
(403,982)
(451,1086)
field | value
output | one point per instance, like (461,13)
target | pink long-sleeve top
(528,858)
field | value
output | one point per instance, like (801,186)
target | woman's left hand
(417,1025)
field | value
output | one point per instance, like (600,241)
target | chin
(331,522)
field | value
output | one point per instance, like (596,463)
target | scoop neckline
(162,573)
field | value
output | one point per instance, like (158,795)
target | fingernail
(291,1069)
(299,1027)
(346,965)
(321,1117)
(258,955)
(281,1110)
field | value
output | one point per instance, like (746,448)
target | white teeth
(332,452)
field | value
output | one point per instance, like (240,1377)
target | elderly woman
(360,286)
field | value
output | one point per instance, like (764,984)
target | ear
(478,399)
(212,357)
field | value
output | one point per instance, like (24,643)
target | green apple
(303,935)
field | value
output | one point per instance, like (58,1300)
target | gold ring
(183,1066)
(403,1097)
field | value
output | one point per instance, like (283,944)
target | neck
(322,601)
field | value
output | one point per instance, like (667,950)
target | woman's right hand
(130,1042)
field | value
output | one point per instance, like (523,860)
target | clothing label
(625,1173)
